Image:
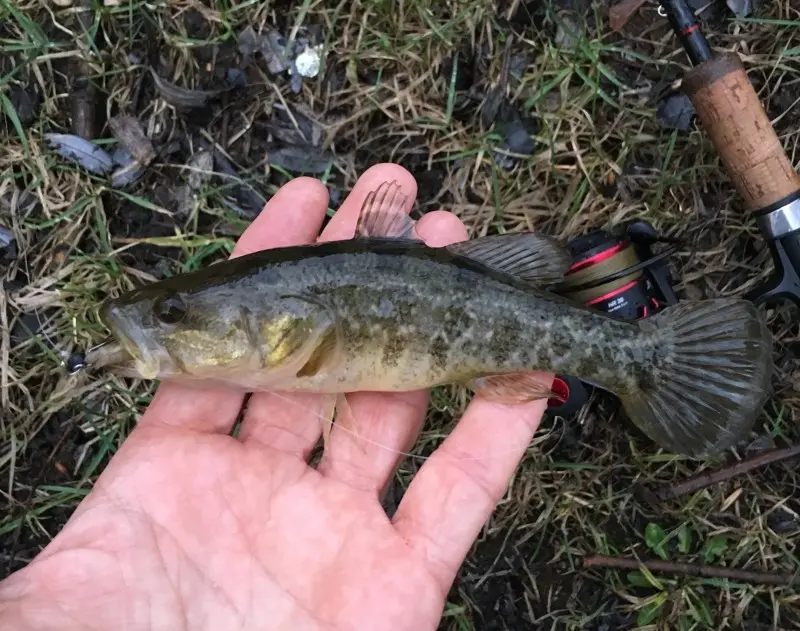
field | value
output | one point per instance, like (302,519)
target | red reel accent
(597,258)
(561,391)
(613,293)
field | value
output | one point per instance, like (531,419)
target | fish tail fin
(713,377)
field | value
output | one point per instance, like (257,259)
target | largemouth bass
(385,312)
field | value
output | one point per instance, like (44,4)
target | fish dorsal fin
(384,214)
(531,257)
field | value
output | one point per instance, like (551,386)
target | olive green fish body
(409,320)
(385,312)
(398,316)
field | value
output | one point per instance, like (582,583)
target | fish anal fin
(513,387)
(532,257)
(384,214)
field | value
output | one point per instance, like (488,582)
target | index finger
(456,490)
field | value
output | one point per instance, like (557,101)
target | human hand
(190,528)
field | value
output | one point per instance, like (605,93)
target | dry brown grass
(389,92)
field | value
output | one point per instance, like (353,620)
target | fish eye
(170,310)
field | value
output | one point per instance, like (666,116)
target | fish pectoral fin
(534,258)
(301,345)
(324,352)
(513,387)
(384,214)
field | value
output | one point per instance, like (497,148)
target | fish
(383,311)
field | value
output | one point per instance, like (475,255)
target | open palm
(191,528)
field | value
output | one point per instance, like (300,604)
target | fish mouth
(109,354)
(128,352)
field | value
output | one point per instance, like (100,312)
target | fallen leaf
(568,33)
(235,78)
(8,245)
(273,48)
(249,198)
(121,156)
(621,13)
(294,127)
(26,103)
(676,112)
(182,97)
(300,159)
(517,130)
(130,134)
(25,328)
(83,108)
(128,174)
(82,151)
(248,42)
(743,8)
(201,168)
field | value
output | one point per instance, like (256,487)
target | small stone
(309,61)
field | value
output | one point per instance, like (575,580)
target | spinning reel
(621,275)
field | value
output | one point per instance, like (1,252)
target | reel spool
(618,274)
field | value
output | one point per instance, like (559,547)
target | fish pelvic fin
(513,387)
(532,257)
(326,419)
(336,409)
(384,213)
(714,378)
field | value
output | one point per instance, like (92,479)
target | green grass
(393,91)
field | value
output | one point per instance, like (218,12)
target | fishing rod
(737,124)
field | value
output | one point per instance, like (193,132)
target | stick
(703,480)
(690,569)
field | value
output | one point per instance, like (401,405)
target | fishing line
(398,452)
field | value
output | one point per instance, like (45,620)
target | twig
(690,569)
(703,480)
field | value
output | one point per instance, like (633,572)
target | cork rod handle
(732,115)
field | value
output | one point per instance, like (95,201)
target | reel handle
(732,115)
(784,283)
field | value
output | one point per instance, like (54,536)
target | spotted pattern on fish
(409,317)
